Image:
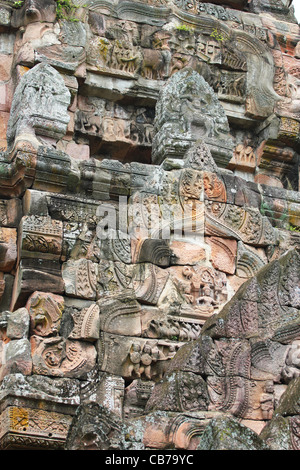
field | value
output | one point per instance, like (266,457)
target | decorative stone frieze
(149,225)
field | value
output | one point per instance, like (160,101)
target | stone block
(219,436)
(223,254)
(97,428)
(148,282)
(37,111)
(16,358)
(77,151)
(80,278)
(5,97)
(165,324)
(86,323)
(5,16)
(181,392)
(58,357)
(133,357)
(178,126)
(35,202)
(105,388)
(40,237)
(136,396)
(55,172)
(18,324)
(186,310)
(22,426)
(5,67)
(52,391)
(8,248)
(120,314)
(40,11)
(194,292)
(45,310)
(7,282)
(10,212)
(33,274)
(187,253)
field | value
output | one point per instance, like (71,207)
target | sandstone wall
(149,220)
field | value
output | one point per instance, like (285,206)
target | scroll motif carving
(62,358)
(41,236)
(86,324)
(295,432)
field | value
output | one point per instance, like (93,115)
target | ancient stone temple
(149,225)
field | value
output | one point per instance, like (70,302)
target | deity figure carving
(58,357)
(267,401)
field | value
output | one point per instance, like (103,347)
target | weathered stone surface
(95,428)
(40,387)
(16,357)
(172,395)
(104,388)
(223,254)
(120,314)
(57,357)
(250,346)
(46,274)
(229,434)
(8,247)
(45,312)
(34,10)
(80,278)
(282,432)
(86,323)
(167,430)
(188,110)
(18,324)
(10,212)
(41,237)
(149,224)
(39,106)
(134,357)
(41,429)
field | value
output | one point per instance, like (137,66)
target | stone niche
(149,225)
(188,110)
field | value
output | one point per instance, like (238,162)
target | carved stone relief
(44,96)
(188,108)
(149,222)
